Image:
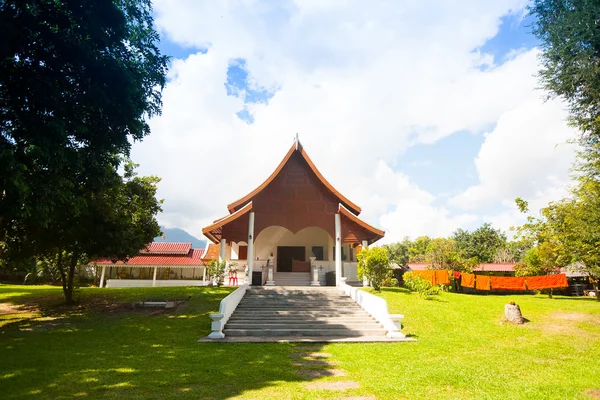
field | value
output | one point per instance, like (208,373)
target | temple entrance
(286,255)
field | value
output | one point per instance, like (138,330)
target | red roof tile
(491,267)
(192,257)
(168,248)
(494,267)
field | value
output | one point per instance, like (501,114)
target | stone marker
(512,312)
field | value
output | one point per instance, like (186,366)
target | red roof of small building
(496,267)
(159,256)
(167,248)
(486,267)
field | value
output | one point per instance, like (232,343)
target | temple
(293,229)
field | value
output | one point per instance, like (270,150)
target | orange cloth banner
(546,281)
(468,280)
(428,275)
(482,282)
(442,277)
(508,283)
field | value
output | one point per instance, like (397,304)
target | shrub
(216,271)
(389,282)
(423,287)
(374,265)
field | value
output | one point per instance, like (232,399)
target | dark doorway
(285,255)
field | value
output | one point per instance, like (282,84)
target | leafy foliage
(483,243)
(78,80)
(418,249)
(374,265)
(399,252)
(421,286)
(216,269)
(570,41)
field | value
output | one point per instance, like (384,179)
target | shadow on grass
(99,354)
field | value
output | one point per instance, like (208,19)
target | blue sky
(436,114)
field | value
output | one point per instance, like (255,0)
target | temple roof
(213,232)
(296,147)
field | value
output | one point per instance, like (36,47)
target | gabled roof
(295,147)
(193,257)
(344,211)
(211,230)
(167,248)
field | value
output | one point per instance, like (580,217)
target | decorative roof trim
(344,211)
(224,221)
(297,146)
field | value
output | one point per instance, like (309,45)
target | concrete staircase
(318,313)
(292,278)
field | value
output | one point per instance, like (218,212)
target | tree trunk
(597,289)
(550,294)
(69,289)
(61,270)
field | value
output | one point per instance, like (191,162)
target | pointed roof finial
(297,141)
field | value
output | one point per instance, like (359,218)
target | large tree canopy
(570,34)
(482,243)
(78,80)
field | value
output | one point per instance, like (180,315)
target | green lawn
(105,349)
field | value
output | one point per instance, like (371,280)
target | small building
(159,264)
(293,228)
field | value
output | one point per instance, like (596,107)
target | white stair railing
(377,307)
(226,308)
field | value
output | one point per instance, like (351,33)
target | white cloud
(359,81)
(526,155)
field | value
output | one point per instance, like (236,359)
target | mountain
(179,235)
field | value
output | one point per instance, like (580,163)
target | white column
(338,250)
(204,275)
(365,244)
(154,277)
(222,247)
(102,276)
(250,246)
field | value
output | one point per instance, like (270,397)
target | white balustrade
(226,308)
(377,307)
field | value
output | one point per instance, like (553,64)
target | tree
(483,243)
(418,249)
(570,41)
(114,223)
(374,265)
(442,253)
(398,252)
(568,232)
(78,80)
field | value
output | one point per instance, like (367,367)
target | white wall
(268,240)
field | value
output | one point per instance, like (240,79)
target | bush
(423,287)
(215,269)
(374,265)
(389,282)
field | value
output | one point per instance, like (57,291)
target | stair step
(300,325)
(335,332)
(292,304)
(323,313)
(275,319)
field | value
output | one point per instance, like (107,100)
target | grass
(104,350)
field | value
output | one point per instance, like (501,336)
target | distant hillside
(179,235)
